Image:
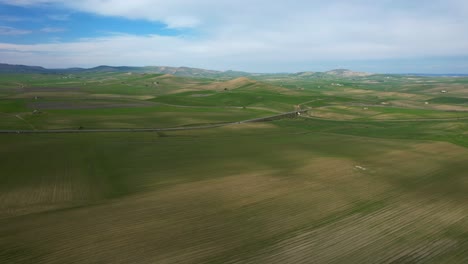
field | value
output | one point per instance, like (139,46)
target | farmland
(374,172)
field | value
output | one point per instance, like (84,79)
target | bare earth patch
(119,96)
(259,125)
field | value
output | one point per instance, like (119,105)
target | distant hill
(341,73)
(347,73)
(176,71)
(9,68)
(105,68)
(182,71)
(437,75)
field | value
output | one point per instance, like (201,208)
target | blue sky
(386,36)
(43,24)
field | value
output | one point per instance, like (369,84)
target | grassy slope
(355,189)
(233,194)
(107,90)
(372,98)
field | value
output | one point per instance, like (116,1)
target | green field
(374,172)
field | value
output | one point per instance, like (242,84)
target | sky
(380,36)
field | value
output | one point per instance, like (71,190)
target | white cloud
(246,52)
(182,22)
(259,33)
(53,29)
(26,2)
(7,18)
(13,31)
(59,17)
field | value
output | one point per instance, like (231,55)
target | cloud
(53,29)
(59,17)
(11,18)
(182,22)
(261,34)
(10,31)
(26,2)
(253,53)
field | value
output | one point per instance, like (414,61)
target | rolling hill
(176,71)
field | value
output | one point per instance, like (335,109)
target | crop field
(374,172)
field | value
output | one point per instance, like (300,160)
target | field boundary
(292,114)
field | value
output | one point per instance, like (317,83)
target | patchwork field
(370,174)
